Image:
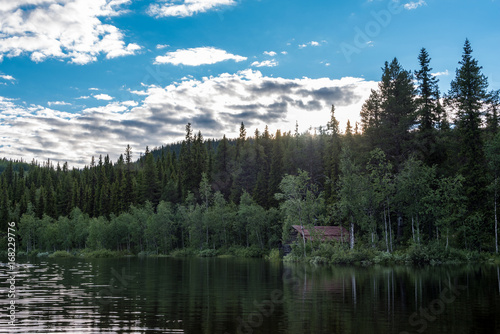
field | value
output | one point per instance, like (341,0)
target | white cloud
(311,43)
(185,8)
(215,106)
(284,52)
(130,103)
(64,29)
(414,4)
(58,103)
(105,97)
(197,56)
(437,74)
(7,77)
(138,92)
(270,53)
(83,97)
(265,63)
(162,46)
(93,88)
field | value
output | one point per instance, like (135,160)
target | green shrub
(33,252)
(274,255)
(183,252)
(207,253)
(60,254)
(319,260)
(418,254)
(252,251)
(44,254)
(292,258)
(383,258)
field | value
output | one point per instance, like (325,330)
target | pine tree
(332,157)
(398,111)
(151,190)
(428,109)
(276,172)
(128,179)
(371,112)
(467,97)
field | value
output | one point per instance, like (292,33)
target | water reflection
(251,296)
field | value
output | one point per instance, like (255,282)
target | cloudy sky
(87,77)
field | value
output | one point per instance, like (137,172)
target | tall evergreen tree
(276,172)
(428,109)
(371,112)
(151,190)
(398,115)
(128,182)
(467,97)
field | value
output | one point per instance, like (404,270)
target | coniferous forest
(421,169)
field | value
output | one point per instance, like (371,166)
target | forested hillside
(421,167)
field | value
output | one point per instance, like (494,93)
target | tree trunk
(418,231)
(390,225)
(352,232)
(412,229)
(386,237)
(447,232)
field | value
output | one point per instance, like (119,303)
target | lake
(216,295)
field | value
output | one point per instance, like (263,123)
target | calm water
(249,296)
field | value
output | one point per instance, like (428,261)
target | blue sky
(81,78)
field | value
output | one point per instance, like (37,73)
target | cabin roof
(325,233)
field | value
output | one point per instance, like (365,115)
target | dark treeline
(421,167)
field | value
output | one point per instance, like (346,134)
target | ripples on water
(234,296)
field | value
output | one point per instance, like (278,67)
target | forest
(421,168)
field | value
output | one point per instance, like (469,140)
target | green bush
(274,255)
(60,254)
(183,252)
(44,254)
(418,254)
(208,253)
(383,258)
(34,252)
(252,251)
(319,260)
(292,258)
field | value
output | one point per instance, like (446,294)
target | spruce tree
(467,97)
(397,111)
(428,109)
(276,172)
(151,190)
